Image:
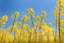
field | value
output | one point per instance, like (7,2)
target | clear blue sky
(10,6)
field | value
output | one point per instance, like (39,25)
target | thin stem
(59,24)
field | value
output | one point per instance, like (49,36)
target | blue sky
(8,7)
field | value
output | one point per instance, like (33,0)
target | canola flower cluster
(33,29)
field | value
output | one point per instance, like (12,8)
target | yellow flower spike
(17,31)
(62,3)
(50,27)
(31,11)
(25,18)
(43,32)
(17,14)
(38,18)
(61,11)
(14,27)
(44,26)
(43,23)
(29,30)
(61,21)
(62,29)
(50,30)
(5,18)
(45,38)
(24,27)
(10,37)
(37,34)
(32,31)
(51,38)
(43,15)
(44,12)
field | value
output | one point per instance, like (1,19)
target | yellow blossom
(5,18)
(25,18)
(44,12)
(17,14)
(24,27)
(31,11)
(51,38)
(45,38)
(62,3)
(38,18)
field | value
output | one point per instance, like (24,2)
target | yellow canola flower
(24,27)
(38,18)
(17,31)
(45,38)
(25,18)
(31,11)
(1,31)
(61,21)
(5,18)
(29,30)
(32,32)
(43,32)
(44,12)
(43,15)
(51,38)
(50,30)
(37,34)
(17,14)
(62,3)
(14,27)
(5,36)
(62,29)
(9,37)
(43,25)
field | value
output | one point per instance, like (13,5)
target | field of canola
(33,29)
